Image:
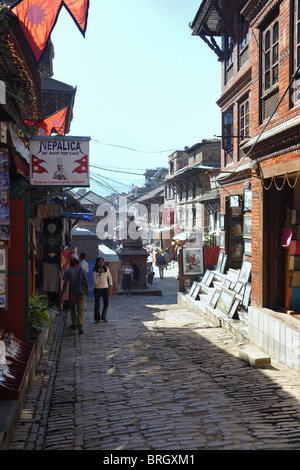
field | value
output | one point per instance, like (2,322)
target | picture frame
(223,265)
(238,287)
(236,229)
(209,279)
(234,200)
(214,299)
(222,221)
(247,247)
(245,271)
(2,259)
(237,250)
(247,229)
(222,240)
(247,200)
(196,290)
(227,283)
(219,262)
(233,311)
(191,291)
(225,300)
(192,261)
(247,295)
(204,279)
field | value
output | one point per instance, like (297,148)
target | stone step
(254,356)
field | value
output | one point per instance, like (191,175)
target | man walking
(160,261)
(77,279)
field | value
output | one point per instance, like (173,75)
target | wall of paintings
(4,226)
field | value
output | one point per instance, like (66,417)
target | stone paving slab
(156,377)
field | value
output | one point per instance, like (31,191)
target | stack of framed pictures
(207,278)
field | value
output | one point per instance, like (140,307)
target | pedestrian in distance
(76,278)
(83,263)
(127,271)
(160,262)
(150,273)
(102,288)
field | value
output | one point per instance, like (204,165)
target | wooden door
(275,204)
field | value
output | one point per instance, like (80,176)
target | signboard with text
(59,161)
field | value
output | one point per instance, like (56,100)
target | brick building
(258,44)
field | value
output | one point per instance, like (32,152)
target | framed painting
(2,259)
(196,291)
(214,298)
(247,247)
(237,250)
(247,200)
(247,226)
(238,287)
(222,240)
(223,265)
(245,271)
(209,279)
(233,311)
(247,295)
(204,279)
(236,229)
(191,291)
(225,300)
(219,262)
(234,200)
(192,261)
(222,221)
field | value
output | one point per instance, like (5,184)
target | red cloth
(211,254)
(37,19)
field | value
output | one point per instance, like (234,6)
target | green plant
(38,313)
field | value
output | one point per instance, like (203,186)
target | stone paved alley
(155,377)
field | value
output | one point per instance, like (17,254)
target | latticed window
(244,120)
(271,56)
(229,56)
(270,69)
(296,34)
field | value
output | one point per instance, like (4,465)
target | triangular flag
(38,17)
(82,168)
(55,121)
(36,165)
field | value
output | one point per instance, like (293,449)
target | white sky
(143,81)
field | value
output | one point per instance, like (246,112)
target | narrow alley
(155,377)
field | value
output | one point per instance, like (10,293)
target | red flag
(82,168)
(56,121)
(36,165)
(37,19)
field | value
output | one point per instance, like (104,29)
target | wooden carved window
(270,69)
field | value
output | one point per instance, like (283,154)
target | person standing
(102,288)
(150,273)
(127,271)
(77,279)
(161,265)
(83,263)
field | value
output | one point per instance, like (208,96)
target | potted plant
(38,314)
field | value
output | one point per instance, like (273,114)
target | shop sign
(59,161)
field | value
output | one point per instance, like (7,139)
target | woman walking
(102,288)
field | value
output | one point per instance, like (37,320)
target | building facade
(258,45)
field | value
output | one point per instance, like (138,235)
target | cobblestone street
(155,377)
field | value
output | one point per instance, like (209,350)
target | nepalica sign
(59,161)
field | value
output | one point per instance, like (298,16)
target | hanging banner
(59,161)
